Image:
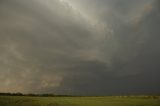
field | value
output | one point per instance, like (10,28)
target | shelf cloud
(84,47)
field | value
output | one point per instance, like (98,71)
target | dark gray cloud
(89,47)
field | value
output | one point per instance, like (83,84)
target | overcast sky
(84,47)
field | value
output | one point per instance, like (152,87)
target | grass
(79,101)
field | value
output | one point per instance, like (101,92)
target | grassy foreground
(79,101)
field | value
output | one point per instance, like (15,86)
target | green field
(79,101)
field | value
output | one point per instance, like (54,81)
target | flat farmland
(80,101)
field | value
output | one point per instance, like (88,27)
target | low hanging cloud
(88,47)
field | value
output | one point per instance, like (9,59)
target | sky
(80,47)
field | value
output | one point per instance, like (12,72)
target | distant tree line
(11,94)
(38,95)
(54,95)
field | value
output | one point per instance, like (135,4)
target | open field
(79,101)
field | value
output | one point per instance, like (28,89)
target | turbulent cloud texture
(85,47)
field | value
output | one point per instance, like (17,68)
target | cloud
(79,47)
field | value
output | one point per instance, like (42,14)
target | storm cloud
(84,47)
